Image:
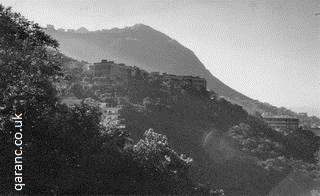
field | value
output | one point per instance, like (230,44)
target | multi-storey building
(282,122)
(106,71)
(107,68)
(183,81)
(304,120)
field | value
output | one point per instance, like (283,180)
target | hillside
(142,46)
(151,50)
(218,135)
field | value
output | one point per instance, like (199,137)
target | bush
(164,171)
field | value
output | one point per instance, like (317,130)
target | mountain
(142,46)
(151,50)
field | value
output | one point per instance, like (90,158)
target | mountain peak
(141,26)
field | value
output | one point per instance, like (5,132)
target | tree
(29,63)
(302,145)
(64,149)
(57,141)
(161,165)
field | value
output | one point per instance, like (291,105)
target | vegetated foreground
(68,151)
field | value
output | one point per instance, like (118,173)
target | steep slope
(142,46)
(151,50)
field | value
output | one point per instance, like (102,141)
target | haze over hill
(142,46)
(149,49)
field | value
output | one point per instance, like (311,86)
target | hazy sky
(268,50)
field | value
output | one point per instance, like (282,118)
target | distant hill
(151,50)
(142,46)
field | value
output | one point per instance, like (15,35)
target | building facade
(107,68)
(304,120)
(103,68)
(282,122)
(106,72)
(184,81)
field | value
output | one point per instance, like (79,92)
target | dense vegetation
(67,151)
(260,157)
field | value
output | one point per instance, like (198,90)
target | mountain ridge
(145,47)
(136,45)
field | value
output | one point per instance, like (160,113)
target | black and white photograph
(160,97)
